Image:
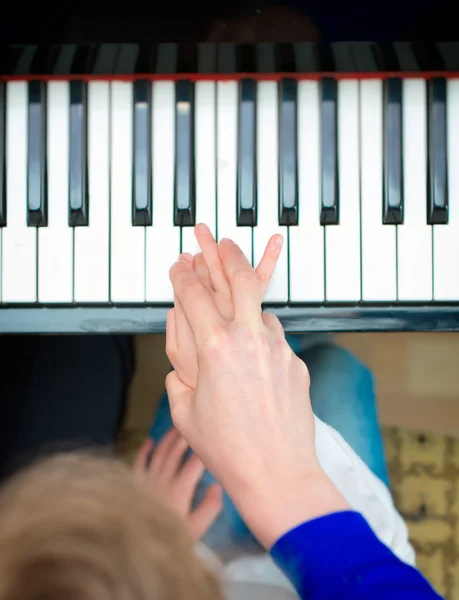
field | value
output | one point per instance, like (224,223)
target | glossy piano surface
(298,319)
(110,153)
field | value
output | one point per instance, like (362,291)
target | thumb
(205,514)
(179,395)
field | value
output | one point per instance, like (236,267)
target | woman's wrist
(273,508)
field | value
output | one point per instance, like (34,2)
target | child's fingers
(173,460)
(190,475)
(161,453)
(205,514)
(140,460)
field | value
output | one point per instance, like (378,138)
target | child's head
(78,527)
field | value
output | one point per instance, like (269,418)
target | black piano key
(393,154)
(246,168)
(329,214)
(246,58)
(2,155)
(288,160)
(325,58)
(78,167)
(146,59)
(184,196)
(428,56)
(437,199)
(141,169)
(36,160)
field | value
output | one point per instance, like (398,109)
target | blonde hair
(77,526)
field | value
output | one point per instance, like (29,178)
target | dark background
(224,20)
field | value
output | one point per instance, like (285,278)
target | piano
(110,153)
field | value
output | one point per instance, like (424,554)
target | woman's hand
(161,469)
(208,268)
(248,416)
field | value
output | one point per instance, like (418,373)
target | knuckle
(171,351)
(245,276)
(191,288)
(216,344)
(303,370)
(257,343)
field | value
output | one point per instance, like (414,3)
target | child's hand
(176,484)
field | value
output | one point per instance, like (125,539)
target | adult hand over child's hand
(248,416)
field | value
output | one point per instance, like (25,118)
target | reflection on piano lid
(110,153)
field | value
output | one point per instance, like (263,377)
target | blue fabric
(342,395)
(339,556)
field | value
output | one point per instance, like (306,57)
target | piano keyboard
(109,154)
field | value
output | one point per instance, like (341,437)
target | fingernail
(278,242)
(180,263)
(202,228)
(186,257)
(225,241)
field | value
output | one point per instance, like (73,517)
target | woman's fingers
(171,338)
(196,301)
(268,262)
(244,284)
(209,249)
(205,514)
(200,267)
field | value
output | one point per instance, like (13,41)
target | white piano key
(127,248)
(204,163)
(163,238)
(446,237)
(342,242)
(268,189)
(19,272)
(55,242)
(91,249)
(414,237)
(307,239)
(227,120)
(379,259)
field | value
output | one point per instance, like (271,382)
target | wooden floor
(417,378)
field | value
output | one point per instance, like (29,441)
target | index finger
(196,301)
(244,284)
(268,262)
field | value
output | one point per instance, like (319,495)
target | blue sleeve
(339,556)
